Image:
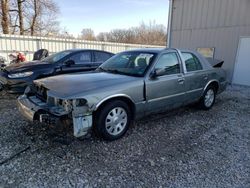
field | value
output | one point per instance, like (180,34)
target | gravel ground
(183,148)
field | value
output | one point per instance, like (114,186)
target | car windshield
(56,57)
(128,63)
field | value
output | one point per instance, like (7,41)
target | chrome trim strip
(191,91)
(110,97)
(142,102)
(210,83)
(175,95)
(166,97)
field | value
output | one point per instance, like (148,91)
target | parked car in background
(128,86)
(15,78)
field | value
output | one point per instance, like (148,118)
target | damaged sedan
(128,86)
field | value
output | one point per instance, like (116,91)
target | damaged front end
(38,105)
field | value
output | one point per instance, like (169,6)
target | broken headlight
(79,102)
(68,105)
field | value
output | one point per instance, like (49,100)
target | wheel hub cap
(209,98)
(116,121)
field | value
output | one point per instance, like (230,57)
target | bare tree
(87,34)
(102,36)
(34,17)
(5,16)
(16,16)
(44,19)
(151,33)
(20,16)
(31,17)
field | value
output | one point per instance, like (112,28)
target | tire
(1,87)
(208,99)
(112,120)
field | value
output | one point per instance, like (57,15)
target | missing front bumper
(82,125)
(35,112)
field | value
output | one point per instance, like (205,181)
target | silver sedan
(130,85)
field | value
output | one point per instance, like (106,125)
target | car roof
(151,50)
(79,50)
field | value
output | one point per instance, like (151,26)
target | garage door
(242,66)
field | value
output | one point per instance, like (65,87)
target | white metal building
(216,28)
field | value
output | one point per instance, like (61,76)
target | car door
(167,89)
(82,62)
(195,77)
(100,57)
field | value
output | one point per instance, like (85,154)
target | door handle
(58,69)
(181,81)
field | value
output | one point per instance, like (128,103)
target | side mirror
(157,72)
(153,74)
(69,63)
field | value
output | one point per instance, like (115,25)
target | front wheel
(208,99)
(1,87)
(112,120)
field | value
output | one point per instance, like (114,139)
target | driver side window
(168,64)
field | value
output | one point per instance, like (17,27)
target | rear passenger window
(81,57)
(101,56)
(192,62)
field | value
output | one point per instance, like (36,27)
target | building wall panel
(211,23)
(197,14)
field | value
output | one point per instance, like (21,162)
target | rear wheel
(208,98)
(112,120)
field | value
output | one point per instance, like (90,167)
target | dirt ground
(186,147)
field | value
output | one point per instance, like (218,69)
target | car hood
(27,66)
(70,85)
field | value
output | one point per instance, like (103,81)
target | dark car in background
(15,78)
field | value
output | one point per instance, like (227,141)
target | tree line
(151,33)
(40,18)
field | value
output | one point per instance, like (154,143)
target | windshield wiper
(109,70)
(101,69)
(115,71)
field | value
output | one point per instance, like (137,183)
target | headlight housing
(20,75)
(79,102)
(68,105)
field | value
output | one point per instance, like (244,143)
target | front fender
(95,107)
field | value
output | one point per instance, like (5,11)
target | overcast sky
(104,15)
